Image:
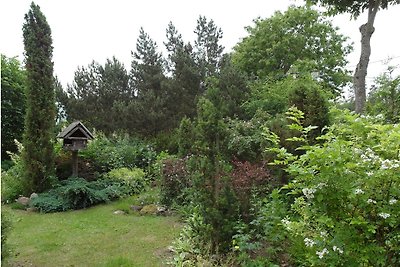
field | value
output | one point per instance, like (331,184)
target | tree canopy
(300,36)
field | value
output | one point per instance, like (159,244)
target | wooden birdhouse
(75,136)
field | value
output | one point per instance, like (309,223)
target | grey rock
(23,201)
(33,195)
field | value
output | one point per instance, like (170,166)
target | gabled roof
(72,128)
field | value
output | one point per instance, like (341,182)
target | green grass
(91,237)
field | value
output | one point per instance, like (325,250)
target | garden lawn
(90,237)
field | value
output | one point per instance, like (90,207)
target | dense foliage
(247,147)
(12,104)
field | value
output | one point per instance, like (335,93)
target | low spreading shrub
(77,193)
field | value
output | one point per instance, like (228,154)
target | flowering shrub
(346,210)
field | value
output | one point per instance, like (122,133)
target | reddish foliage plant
(247,177)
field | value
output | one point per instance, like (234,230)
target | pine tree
(99,96)
(148,111)
(184,83)
(207,48)
(38,155)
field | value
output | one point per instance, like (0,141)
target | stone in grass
(33,195)
(151,209)
(119,212)
(23,201)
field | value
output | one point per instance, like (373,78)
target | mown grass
(91,237)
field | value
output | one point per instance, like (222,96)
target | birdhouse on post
(75,138)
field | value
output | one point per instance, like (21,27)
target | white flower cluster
(335,248)
(390,164)
(370,156)
(309,242)
(322,253)
(286,223)
(358,191)
(384,215)
(392,201)
(321,185)
(371,201)
(309,192)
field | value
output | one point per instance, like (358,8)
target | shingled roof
(72,128)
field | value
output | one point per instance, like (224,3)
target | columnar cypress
(38,155)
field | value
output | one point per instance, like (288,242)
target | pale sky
(86,30)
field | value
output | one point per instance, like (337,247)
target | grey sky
(89,30)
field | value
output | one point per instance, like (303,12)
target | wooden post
(75,163)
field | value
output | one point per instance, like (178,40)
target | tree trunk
(360,73)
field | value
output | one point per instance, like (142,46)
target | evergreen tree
(228,90)
(207,48)
(38,155)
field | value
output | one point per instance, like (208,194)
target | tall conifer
(38,156)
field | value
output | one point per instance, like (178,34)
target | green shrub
(13,183)
(77,193)
(245,138)
(135,179)
(107,154)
